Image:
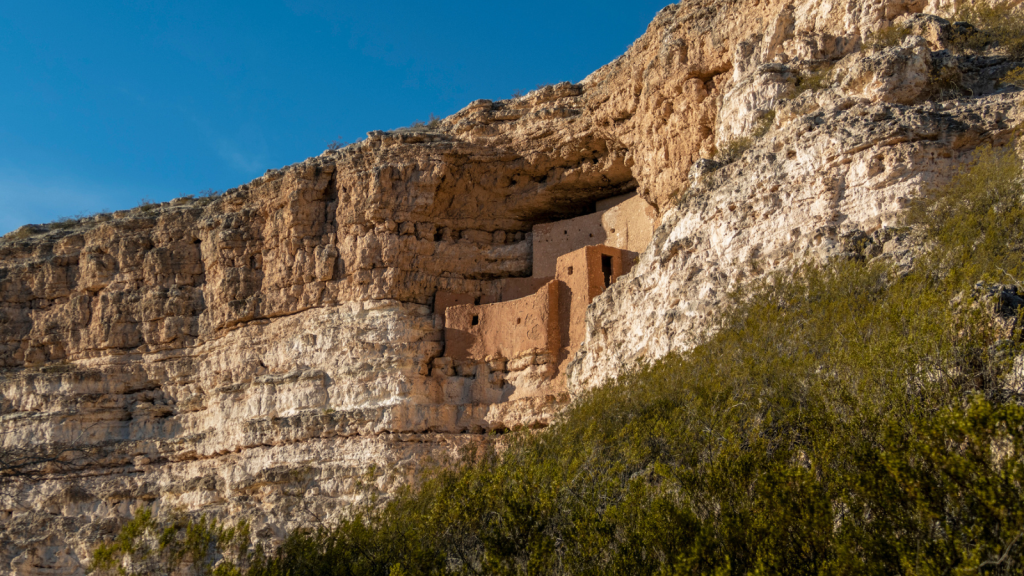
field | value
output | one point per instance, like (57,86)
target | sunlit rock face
(274,353)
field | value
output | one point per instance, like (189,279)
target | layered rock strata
(275,353)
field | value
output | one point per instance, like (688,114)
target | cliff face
(273,353)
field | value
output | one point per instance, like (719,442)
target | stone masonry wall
(504,329)
(627,225)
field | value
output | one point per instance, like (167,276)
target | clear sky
(104,103)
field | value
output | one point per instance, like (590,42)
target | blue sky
(105,103)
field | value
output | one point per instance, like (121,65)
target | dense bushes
(842,420)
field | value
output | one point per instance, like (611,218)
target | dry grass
(433,123)
(732,150)
(20,234)
(1014,77)
(145,205)
(886,37)
(947,83)
(818,80)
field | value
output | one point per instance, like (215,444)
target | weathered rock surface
(274,353)
(807,191)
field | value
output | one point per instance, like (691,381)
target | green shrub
(947,82)
(129,543)
(732,150)
(998,27)
(205,197)
(1014,77)
(22,233)
(886,37)
(817,80)
(64,223)
(977,220)
(145,546)
(68,222)
(420,126)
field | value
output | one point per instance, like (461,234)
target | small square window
(476,320)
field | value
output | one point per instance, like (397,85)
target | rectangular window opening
(476,320)
(606,267)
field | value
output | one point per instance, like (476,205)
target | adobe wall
(513,288)
(504,329)
(504,290)
(444,299)
(581,278)
(628,225)
(602,205)
(637,218)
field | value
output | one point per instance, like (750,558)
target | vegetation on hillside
(843,420)
(981,26)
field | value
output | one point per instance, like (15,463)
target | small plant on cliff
(145,205)
(947,82)
(22,233)
(732,150)
(42,458)
(207,196)
(1014,77)
(816,80)
(68,222)
(420,126)
(886,37)
(764,124)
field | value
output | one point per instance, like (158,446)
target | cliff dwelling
(542,318)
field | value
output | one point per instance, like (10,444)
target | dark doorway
(606,267)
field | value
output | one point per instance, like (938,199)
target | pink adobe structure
(574,261)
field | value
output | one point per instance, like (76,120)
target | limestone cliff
(274,352)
